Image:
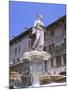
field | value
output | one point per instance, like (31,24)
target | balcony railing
(58,48)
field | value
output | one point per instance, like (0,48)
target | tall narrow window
(15,50)
(13,61)
(52,32)
(64,57)
(17,59)
(58,61)
(45,36)
(19,48)
(65,42)
(45,65)
(51,47)
(52,62)
(29,43)
(44,48)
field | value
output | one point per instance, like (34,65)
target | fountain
(37,67)
(37,56)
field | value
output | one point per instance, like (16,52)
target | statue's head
(39,17)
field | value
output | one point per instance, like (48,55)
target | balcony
(58,48)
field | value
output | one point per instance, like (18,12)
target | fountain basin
(36,54)
(37,65)
(52,78)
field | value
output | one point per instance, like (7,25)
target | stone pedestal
(37,65)
(37,69)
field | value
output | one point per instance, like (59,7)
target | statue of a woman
(39,31)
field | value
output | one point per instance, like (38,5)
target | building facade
(55,44)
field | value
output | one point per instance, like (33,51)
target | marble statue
(37,56)
(39,32)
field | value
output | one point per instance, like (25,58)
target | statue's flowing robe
(39,33)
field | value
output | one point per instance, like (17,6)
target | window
(15,50)
(64,57)
(19,48)
(58,61)
(32,42)
(65,42)
(44,48)
(51,47)
(52,62)
(29,43)
(65,27)
(45,65)
(13,61)
(52,32)
(45,36)
(17,59)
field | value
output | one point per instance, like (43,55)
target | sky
(23,14)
